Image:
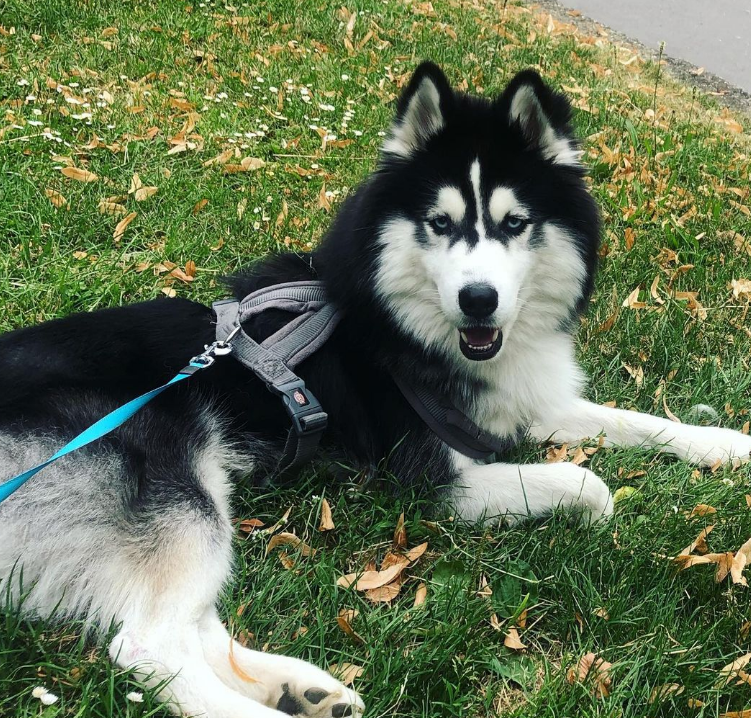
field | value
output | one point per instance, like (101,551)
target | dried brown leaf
(143,193)
(400,533)
(122,225)
(592,667)
(135,183)
(347,673)
(56,198)
(111,208)
(512,640)
(421,594)
(288,539)
(702,510)
(343,621)
(327,520)
(323,200)
(414,553)
(75,173)
(384,594)
(198,206)
(248,526)
(741,559)
(730,671)
(220,159)
(371,579)
(661,693)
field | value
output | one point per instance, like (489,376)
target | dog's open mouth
(479,343)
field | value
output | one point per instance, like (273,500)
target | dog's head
(483,225)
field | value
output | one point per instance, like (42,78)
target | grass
(671,172)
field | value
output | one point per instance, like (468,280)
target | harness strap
(451,425)
(273,359)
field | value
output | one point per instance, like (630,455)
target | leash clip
(219,348)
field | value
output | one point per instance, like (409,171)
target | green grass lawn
(159,89)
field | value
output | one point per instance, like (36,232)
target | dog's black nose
(478,301)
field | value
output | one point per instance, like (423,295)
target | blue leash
(119,416)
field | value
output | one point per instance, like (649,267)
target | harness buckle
(303,409)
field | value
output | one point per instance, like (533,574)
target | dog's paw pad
(315,702)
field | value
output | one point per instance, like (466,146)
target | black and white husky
(462,264)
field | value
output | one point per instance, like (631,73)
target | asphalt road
(713,34)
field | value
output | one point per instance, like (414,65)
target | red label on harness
(299,397)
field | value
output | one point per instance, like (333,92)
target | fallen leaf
(111,208)
(343,620)
(421,594)
(660,693)
(78,174)
(170,292)
(248,526)
(741,559)
(327,520)
(632,301)
(198,206)
(178,273)
(347,673)
(512,640)
(384,594)
(288,539)
(741,288)
(414,553)
(730,671)
(592,667)
(636,373)
(737,714)
(252,163)
(286,560)
(56,198)
(190,268)
(400,533)
(241,207)
(702,510)
(630,236)
(122,225)
(220,159)
(323,200)
(143,193)
(135,183)
(370,579)
(283,214)
(700,542)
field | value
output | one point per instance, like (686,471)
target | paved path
(714,34)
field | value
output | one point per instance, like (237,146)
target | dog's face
(485,217)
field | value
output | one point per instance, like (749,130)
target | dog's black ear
(541,116)
(421,112)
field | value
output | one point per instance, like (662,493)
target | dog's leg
(287,684)
(704,445)
(173,585)
(516,492)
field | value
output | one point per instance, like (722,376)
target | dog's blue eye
(514,224)
(440,224)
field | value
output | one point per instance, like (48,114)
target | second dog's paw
(324,697)
(707,445)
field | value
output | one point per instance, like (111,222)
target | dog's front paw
(708,445)
(316,694)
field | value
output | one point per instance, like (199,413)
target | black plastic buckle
(302,407)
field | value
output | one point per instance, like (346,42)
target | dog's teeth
(495,335)
(464,336)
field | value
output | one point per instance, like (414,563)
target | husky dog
(461,264)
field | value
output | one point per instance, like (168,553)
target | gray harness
(274,359)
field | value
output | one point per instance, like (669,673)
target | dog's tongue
(479,336)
